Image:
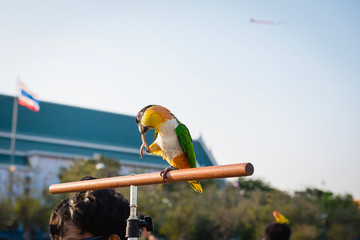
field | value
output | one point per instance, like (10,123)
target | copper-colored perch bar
(201,173)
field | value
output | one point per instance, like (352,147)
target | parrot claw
(141,151)
(164,172)
(144,145)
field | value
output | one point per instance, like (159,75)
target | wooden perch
(201,173)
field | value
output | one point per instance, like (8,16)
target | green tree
(26,207)
(6,216)
(247,185)
(227,212)
(101,168)
(32,213)
(31,209)
(343,217)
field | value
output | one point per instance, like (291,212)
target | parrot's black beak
(143,129)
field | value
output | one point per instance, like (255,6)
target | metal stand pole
(134,225)
(133,230)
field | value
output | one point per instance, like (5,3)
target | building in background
(58,135)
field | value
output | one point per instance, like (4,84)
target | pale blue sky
(284,97)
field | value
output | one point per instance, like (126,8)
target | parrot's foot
(144,145)
(147,149)
(164,172)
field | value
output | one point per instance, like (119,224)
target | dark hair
(100,212)
(277,231)
(58,217)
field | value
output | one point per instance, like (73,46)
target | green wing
(185,141)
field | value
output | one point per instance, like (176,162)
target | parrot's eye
(139,116)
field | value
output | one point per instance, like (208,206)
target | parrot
(280,218)
(172,140)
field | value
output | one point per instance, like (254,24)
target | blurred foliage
(249,185)
(242,211)
(239,210)
(6,216)
(29,210)
(99,168)
(26,209)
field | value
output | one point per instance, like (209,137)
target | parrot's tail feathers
(196,186)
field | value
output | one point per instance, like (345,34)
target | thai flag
(28,99)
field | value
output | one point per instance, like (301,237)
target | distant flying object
(257,21)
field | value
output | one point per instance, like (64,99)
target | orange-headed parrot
(172,140)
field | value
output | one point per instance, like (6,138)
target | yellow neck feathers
(155,116)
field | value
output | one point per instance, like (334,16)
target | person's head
(277,231)
(101,213)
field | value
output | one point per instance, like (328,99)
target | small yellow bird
(280,218)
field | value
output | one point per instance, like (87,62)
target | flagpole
(14,124)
